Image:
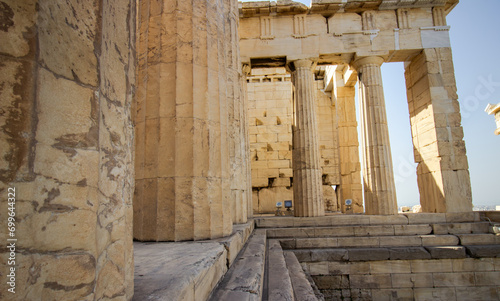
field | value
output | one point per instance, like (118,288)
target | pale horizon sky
(476,56)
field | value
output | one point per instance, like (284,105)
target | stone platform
(351,257)
(185,270)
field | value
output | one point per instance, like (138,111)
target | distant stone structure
(494,110)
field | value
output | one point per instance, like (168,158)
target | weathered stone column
(378,176)
(182,160)
(66,145)
(237,144)
(245,71)
(350,167)
(439,148)
(307,184)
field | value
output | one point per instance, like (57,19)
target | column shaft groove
(379,186)
(307,183)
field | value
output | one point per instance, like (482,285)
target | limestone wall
(328,146)
(439,279)
(271,119)
(66,144)
(270,114)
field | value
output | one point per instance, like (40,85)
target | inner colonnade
(201,185)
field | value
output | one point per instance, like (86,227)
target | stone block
(446,252)
(318,268)
(370,281)
(486,278)
(390,267)
(480,227)
(425,218)
(412,280)
(407,253)
(477,293)
(374,230)
(288,244)
(394,241)
(329,255)
(361,294)
(302,255)
(432,266)
(478,239)
(453,279)
(439,229)
(473,265)
(306,243)
(341,268)
(434,294)
(290,233)
(338,220)
(358,241)
(392,294)
(334,231)
(460,217)
(388,220)
(367,254)
(274,222)
(483,251)
(285,172)
(331,282)
(412,229)
(439,240)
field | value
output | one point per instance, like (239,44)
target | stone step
(479,239)
(350,231)
(302,289)
(370,242)
(396,253)
(279,285)
(244,279)
(184,270)
(361,219)
(481,251)
(461,228)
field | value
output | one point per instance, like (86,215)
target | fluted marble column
(307,185)
(182,146)
(237,143)
(245,71)
(378,176)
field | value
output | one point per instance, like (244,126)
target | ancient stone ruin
(181,124)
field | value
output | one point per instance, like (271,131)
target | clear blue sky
(476,55)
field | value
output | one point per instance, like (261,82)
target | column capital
(367,60)
(246,69)
(302,63)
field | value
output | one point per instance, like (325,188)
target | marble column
(378,176)
(245,71)
(66,149)
(182,145)
(307,183)
(237,143)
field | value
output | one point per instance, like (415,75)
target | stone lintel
(330,7)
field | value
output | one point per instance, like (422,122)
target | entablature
(330,7)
